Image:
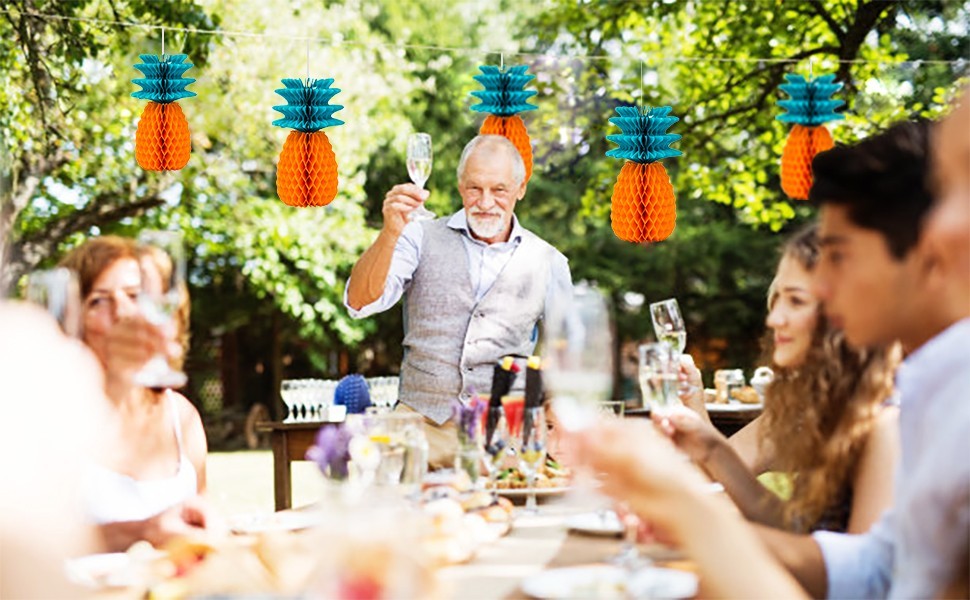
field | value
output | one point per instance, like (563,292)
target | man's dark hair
(883,181)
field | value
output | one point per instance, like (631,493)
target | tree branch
(829,20)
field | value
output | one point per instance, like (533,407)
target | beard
(486,227)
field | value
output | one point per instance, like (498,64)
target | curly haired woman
(826,420)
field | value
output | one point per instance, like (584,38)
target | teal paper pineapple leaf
(163,82)
(307,107)
(503,95)
(811,102)
(644,138)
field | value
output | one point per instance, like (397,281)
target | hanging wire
(501,61)
(461,50)
(308,61)
(641,85)
(163,43)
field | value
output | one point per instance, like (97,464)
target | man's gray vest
(452,342)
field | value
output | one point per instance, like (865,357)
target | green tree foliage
(273,276)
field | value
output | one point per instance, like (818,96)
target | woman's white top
(113,497)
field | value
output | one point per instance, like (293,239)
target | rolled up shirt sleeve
(407,253)
(858,566)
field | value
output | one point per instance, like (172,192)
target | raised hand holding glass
(420,158)
(162,264)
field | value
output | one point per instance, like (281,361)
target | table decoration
(504,97)
(353,392)
(809,107)
(162,141)
(470,419)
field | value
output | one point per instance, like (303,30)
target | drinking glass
(57,290)
(162,264)
(497,446)
(669,326)
(668,323)
(403,448)
(577,355)
(532,451)
(289,393)
(419,160)
(658,372)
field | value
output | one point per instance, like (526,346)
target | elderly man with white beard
(475,285)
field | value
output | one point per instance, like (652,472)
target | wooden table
(290,442)
(537,542)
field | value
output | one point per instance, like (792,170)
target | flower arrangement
(469,419)
(471,428)
(331,451)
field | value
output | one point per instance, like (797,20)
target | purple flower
(331,451)
(469,418)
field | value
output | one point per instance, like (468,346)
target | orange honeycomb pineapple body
(162,140)
(644,208)
(307,171)
(796,159)
(513,128)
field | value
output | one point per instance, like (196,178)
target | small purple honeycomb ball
(352,392)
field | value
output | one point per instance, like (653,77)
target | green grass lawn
(242,482)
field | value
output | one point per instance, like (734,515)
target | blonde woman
(826,420)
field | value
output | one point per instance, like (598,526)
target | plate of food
(607,581)
(289,520)
(713,407)
(115,569)
(552,480)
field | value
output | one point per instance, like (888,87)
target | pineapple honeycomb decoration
(307,170)
(808,108)
(503,98)
(643,203)
(162,141)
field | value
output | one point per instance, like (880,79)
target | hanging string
(308,61)
(641,85)
(811,65)
(502,61)
(459,50)
(163,43)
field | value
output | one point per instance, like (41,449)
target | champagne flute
(658,373)
(162,264)
(668,323)
(498,450)
(58,291)
(577,355)
(419,169)
(532,452)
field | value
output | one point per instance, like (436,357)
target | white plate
(733,407)
(98,571)
(606,581)
(281,521)
(524,492)
(596,523)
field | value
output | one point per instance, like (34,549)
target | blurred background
(267,280)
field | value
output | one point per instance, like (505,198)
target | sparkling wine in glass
(658,372)
(532,451)
(162,263)
(668,323)
(58,291)
(420,158)
(577,355)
